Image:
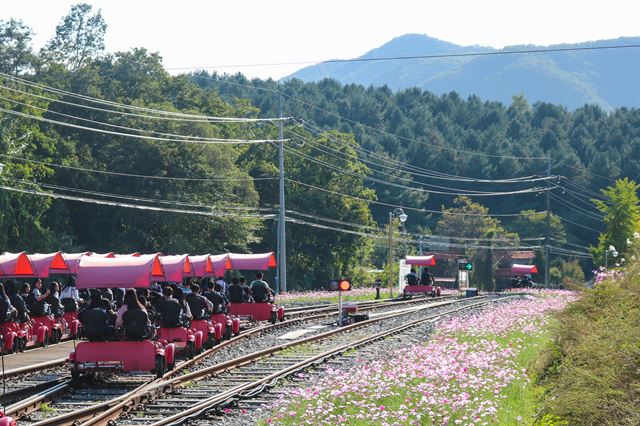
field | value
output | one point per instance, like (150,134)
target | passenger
(170,310)
(260,290)
(118,296)
(223,284)
(25,290)
(218,300)
(37,301)
(411,278)
(70,297)
(225,299)
(130,302)
(54,299)
(96,320)
(200,307)
(515,282)
(427,278)
(107,294)
(17,301)
(246,289)
(236,292)
(7,311)
(179,295)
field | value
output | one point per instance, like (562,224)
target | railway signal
(465,266)
(344,285)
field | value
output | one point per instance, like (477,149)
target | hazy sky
(191,33)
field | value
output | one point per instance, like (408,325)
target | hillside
(609,78)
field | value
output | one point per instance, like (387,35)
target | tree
(469,220)
(79,38)
(15,47)
(621,217)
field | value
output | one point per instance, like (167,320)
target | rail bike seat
(135,325)
(95,325)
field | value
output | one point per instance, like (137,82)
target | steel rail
(159,387)
(212,402)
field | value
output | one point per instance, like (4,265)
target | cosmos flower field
(472,372)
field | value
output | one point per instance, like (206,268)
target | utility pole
(548,230)
(390,255)
(282,239)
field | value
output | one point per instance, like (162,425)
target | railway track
(80,403)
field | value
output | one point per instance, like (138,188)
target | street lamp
(611,249)
(399,213)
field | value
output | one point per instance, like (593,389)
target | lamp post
(399,213)
(614,253)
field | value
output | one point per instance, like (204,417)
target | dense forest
(110,152)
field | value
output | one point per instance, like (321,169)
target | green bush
(591,371)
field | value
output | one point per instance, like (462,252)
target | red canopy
(109,255)
(524,269)
(176,267)
(220,264)
(201,265)
(107,272)
(421,260)
(134,254)
(72,260)
(254,262)
(16,265)
(51,263)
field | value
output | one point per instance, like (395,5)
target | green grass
(334,299)
(46,409)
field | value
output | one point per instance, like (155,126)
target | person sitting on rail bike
(37,301)
(218,299)
(54,300)
(17,301)
(411,278)
(171,311)
(132,317)
(97,322)
(247,290)
(118,296)
(25,290)
(223,284)
(7,311)
(70,296)
(236,292)
(201,307)
(179,295)
(260,290)
(426,278)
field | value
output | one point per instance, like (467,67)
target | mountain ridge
(607,77)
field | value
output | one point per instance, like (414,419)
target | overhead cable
(91,129)
(106,172)
(411,208)
(173,114)
(380,181)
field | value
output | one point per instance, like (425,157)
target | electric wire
(578,224)
(109,132)
(98,101)
(413,57)
(106,172)
(577,209)
(410,208)
(382,182)
(408,168)
(116,126)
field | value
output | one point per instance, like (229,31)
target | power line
(431,175)
(586,213)
(410,208)
(134,206)
(364,126)
(172,135)
(383,182)
(578,224)
(413,57)
(174,114)
(109,132)
(186,179)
